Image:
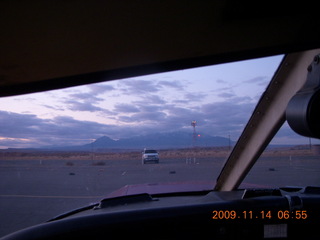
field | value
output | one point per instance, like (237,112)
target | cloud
(15,142)
(173,84)
(225,118)
(86,95)
(226,95)
(150,116)
(83,101)
(80,100)
(221,81)
(220,119)
(259,80)
(82,106)
(55,108)
(287,136)
(16,128)
(136,87)
(150,99)
(98,89)
(154,106)
(195,97)
(14,125)
(125,108)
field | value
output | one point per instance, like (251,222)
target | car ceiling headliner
(55,44)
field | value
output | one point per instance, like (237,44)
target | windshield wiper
(124,200)
(72,212)
(110,202)
(107,202)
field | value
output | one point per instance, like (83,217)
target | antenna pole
(194,137)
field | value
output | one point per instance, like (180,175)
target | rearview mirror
(302,112)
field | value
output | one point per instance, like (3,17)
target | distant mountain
(169,140)
(158,141)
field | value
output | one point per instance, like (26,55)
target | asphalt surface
(33,191)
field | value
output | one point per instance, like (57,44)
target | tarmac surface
(33,191)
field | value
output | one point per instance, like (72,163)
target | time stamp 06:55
(268,214)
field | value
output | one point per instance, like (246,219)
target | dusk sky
(220,98)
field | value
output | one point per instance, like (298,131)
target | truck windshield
(64,149)
(150,151)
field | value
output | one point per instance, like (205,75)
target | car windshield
(289,160)
(67,148)
(150,151)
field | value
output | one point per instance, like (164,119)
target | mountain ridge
(168,140)
(160,141)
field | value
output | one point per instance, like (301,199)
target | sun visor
(302,112)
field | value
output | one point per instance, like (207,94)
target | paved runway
(33,191)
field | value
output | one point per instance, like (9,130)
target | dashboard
(283,213)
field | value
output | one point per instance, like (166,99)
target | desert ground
(36,186)
(101,155)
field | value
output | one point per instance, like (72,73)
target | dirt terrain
(136,154)
(36,186)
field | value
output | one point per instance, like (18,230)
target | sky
(220,98)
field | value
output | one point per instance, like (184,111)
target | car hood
(171,187)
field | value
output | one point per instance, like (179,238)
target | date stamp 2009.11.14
(259,215)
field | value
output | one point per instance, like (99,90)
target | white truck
(149,155)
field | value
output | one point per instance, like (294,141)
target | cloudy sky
(220,98)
